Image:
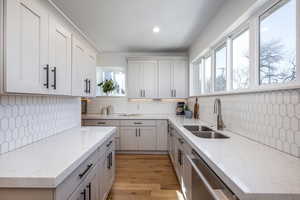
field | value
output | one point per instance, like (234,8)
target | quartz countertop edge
(253,171)
(38,170)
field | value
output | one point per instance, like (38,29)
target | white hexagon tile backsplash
(271,118)
(27,119)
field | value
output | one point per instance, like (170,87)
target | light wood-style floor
(145,177)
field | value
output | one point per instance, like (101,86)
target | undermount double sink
(205,132)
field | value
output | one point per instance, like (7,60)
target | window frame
(252,23)
(241,30)
(270,8)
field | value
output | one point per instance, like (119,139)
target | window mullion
(229,64)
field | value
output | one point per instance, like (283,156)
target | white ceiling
(126,25)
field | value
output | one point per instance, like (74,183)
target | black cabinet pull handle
(89,81)
(85,171)
(47,76)
(139,132)
(136,132)
(86,85)
(138,123)
(101,123)
(108,161)
(109,144)
(54,78)
(111,155)
(84,194)
(90,190)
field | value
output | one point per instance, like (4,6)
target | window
(240,60)
(117,74)
(207,74)
(278,44)
(221,69)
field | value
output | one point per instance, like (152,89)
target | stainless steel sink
(197,128)
(205,132)
(209,135)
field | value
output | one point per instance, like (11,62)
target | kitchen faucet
(217,111)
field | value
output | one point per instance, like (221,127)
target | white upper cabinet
(26,38)
(142,79)
(165,78)
(38,53)
(60,59)
(161,78)
(180,79)
(172,78)
(91,73)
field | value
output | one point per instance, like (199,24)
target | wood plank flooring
(145,177)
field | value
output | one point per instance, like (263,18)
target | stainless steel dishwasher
(206,185)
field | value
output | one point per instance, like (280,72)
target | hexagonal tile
(4,124)
(286,122)
(294,124)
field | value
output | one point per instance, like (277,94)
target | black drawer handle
(54,78)
(102,123)
(109,144)
(138,123)
(84,194)
(47,76)
(85,171)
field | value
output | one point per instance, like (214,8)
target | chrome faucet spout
(218,112)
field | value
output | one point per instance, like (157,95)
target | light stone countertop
(252,170)
(46,163)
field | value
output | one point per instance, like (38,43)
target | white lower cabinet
(99,177)
(136,135)
(138,138)
(178,150)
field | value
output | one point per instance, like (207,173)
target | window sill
(259,89)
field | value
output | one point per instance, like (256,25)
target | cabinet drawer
(138,123)
(64,190)
(98,122)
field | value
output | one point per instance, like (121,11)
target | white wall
(227,15)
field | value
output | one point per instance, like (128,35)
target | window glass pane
(240,61)
(220,77)
(278,44)
(207,71)
(111,73)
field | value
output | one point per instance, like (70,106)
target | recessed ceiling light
(156,29)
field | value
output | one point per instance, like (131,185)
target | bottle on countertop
(196,109)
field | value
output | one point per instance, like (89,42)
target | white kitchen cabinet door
(60,59)
(147,138)
(148,79)
(93,187)
(26,45)
(129,139)
(162,135)
(180,79)
(91,74)
(133,81)
(78,62)
(101,178)
(165,79)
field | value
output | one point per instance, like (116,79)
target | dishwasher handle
(215,193)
